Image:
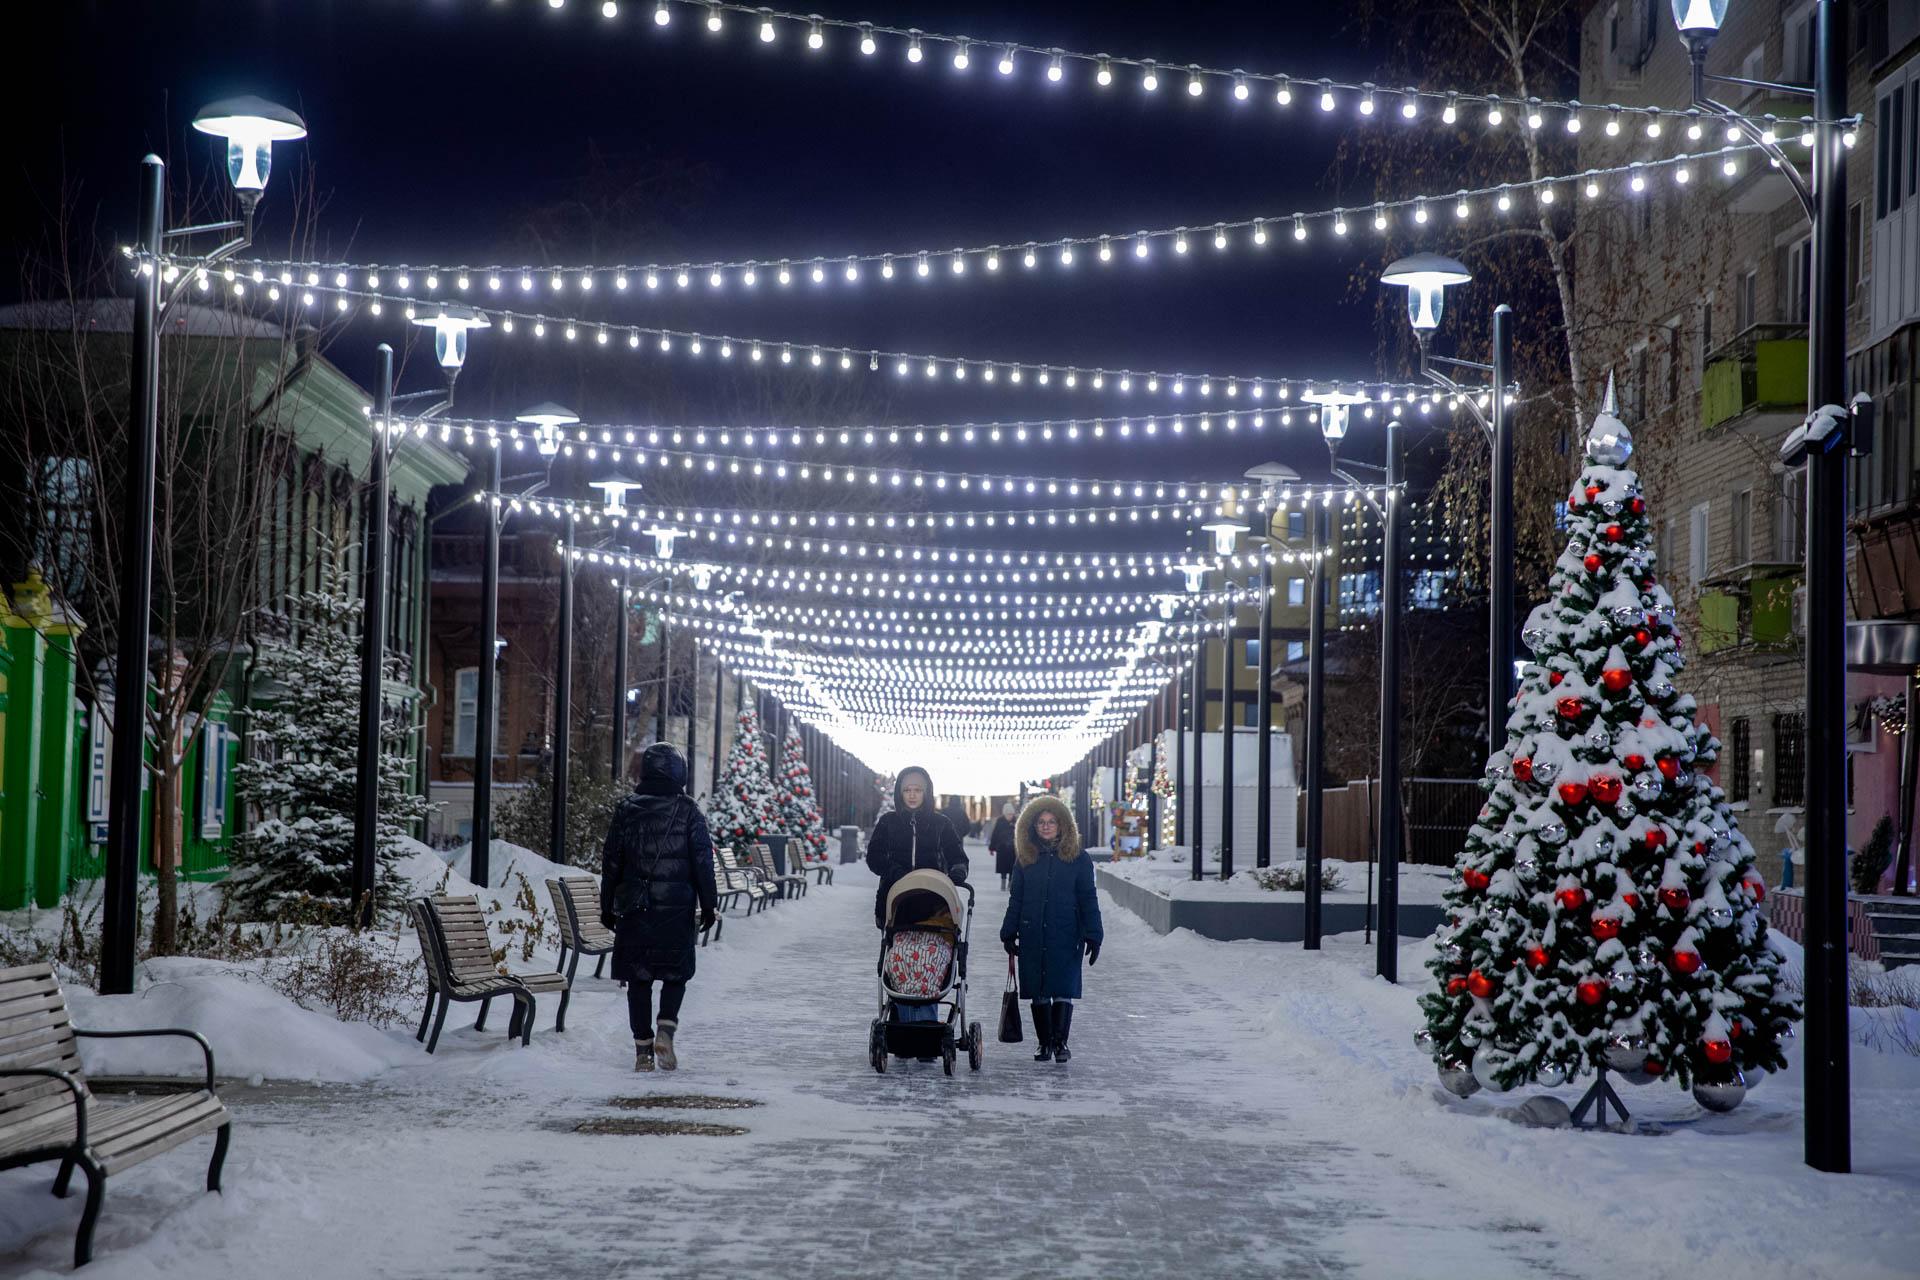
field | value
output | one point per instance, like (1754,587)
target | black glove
(1093,953)
(706,920)
(1012,945)
(608,920)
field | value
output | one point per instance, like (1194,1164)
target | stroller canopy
(921,895)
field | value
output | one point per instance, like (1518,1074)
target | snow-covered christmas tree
(295,857)
(798,807)
(1606,910)
(743,807)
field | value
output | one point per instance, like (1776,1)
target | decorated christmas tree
(1163,787)
(1606,910)
(743,807)
(798,807)
(295,857)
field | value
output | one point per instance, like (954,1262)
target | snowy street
(1231,1110)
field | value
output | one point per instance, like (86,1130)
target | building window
(1746,302)
(466,709)
(1699,528)
(1250,715)
(1296,650)
(1706,332)
(1296,591)
(1739,760)
(64,542)
(1430,588)
(1796,268)
(1253,653)
(1856,248)
(1635,397)
(1890,156)
(1296,525)
(1740,526)
(1789,760)
(1796,64)
(1789,536)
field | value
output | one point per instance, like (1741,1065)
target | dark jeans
(640,1006)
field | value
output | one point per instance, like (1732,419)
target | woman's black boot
(1043,1031)
(1062,1023)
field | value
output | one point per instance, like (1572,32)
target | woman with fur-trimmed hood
(1053,918)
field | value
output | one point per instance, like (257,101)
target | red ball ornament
(1643,637)
(1675,900)
(1717,1051)
(1605,787)
(1687,961)
(1656,837)
(1475,879)
(1616,679)
(1523,769)
(1631,899)
(1668,766)
(1456,985)
(1638,506)
(1756,886)
(1479,984)
(1554,678)
(1614,533)
(1537,958)
(1592,992)
(1654,1067)
(1593,493)
(1592,562)
(1605,927)
(1634,761)
(1570,707)
(1572,792)
(1736,1029)
(1572,898)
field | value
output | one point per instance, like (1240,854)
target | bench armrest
(194,1036)
(73,1086)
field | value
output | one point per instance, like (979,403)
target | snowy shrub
(1291,877)
(526,817)
(1871,862)
(528,924)
(361,977)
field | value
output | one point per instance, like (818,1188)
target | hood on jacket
(663,771)
(1026,846)
(926,801)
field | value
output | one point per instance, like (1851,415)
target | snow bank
(504,860)
(254,1030)
(1164,875)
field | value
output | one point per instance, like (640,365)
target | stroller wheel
(947,1057)
(877,1046)
(976,1046)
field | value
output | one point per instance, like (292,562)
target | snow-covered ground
(1232,1109)
(1166,871)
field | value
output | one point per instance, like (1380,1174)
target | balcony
(1758,380)
(1753,608)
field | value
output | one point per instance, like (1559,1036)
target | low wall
(1277,921)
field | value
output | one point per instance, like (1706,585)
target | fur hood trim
(1025,847)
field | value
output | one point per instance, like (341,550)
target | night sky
(450,130)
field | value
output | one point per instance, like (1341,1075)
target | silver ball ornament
(1625,1053)
(1722,1095)
(1545,771)
(1552,833)
(1551,1075)
(1456,1077)
(1423,1040)
(1646,786)
(1486,1064)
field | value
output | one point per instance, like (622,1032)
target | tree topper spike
(1608,405)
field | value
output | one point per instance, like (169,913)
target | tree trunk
(165,823)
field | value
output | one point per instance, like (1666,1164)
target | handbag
(1010,1008)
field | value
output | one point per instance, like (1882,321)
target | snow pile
(1163,875)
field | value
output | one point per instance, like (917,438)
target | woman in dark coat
(913,834)
(656,868)
(1053,918)
(1001,843)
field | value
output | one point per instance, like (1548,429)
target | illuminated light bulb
(1104,76)
(913,48)
(714,21)
(766,30)
(1535,119)
(1028,259)
(960,59)
(1283,92)
(1450,112)
(1379,218)
(1066,255)
(818,274)
(852,271)
(1140,249)
(785,276)
(1494,114)
(715,280)
(1219,235)
(1592,189)
(682,279)
(461,282)
(609,9)
(653,281)
(867,45)
(1683,175)
(1730,166)
(1613,123)
(1366,103)
(1106,250)
(661,15)
(1005,65)
(1339,222)
(1504,203)
(1694,131)
(886,267)
(1733,133)
(1462,210)
(993,261)
(1573,122)
(1149,78)
(1654,126)
(1848,138)
(1299,227)
(1420,212)
(493,283)
(403,281)
(749,277)
(816,38)
(1180,241)
(958,265)
(1546,195)
(1240,90)
(1194,87)
(1638,182)
(1057,68)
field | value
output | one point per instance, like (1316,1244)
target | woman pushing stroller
(1053,918)
(912,836)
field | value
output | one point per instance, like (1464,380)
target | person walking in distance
(1000,843)
(912,834)
(655,872)
(1053,918)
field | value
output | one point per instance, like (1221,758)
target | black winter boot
(1043,1031)
(1062,1023)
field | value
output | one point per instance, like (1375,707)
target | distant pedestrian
(657,867)
(958,818)
(1001,843)
(1053,918)
(912,834)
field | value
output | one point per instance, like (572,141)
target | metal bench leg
(600,966)
(83,1242)
(439,1021)
(526,1021)
(425,1014)
(719,923)
(64,1179)
(560,1018)
(561,963)
(572,969)
(480,1023)
(220,1140)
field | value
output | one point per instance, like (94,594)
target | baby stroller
(923,975)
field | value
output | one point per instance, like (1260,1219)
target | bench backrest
(732,872)
(35,1031)
(431,951)
(563,911)
(463,932)
(582,893)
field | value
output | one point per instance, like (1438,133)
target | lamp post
(250,126)
(563,698)
(1426,278)
(1270,476)
(1828,1135)
(620,640)
(1389,825)
(1226,536)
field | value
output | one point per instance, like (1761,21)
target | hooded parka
(656,869)
(1052,910)
(907,839)
(1001,843)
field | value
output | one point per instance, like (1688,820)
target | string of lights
(960,263)
(1061,68)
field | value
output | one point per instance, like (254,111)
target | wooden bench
(47,1111)
(822,871)
(743,879)
(786,881)
(580,929)
(460,967)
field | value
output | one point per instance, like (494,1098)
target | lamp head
(1226,534)
(547,418)
(702,576)
(615,492)
(450,325)
(1167,604)
(663,539)
(1196,577)
(1425,277)
(1334,407)
(251,126)
(1699,20)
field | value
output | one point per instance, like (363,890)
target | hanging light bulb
(960,58)
(913,47)
(1056,68)
(766,28)
(867,45)
(1104,76)
(1149,79)
(816,39)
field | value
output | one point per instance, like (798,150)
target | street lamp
(663,540)
(615,492)
(450,325)
(1425,277)
(1226,535)
(252,124)
(546,419)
